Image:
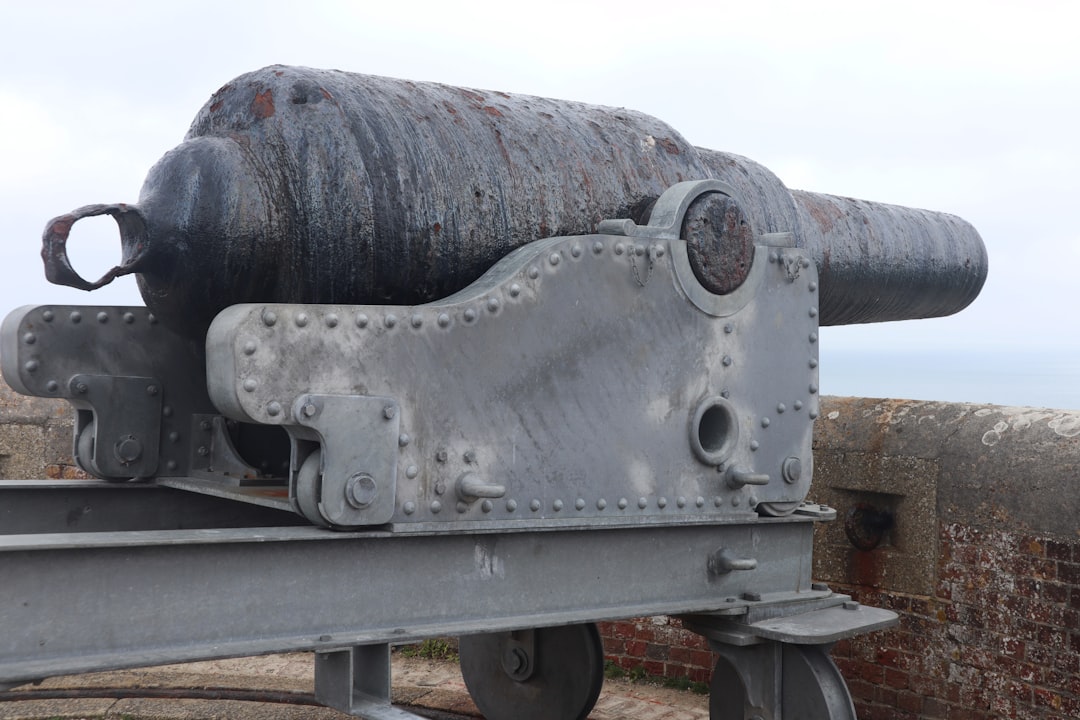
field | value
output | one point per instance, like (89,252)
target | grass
(637,673)
(431,649)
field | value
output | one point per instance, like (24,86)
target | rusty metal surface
(719,242)
(316,186)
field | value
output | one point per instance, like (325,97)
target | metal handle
(737,477)
(722,562)
(470,487)
(58,269)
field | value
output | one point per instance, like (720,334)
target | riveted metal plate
(135,383)
(572,374)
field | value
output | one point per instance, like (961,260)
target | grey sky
(965,107)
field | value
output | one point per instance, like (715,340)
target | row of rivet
(580,504)
(102,317)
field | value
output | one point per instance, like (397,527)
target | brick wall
(982,564)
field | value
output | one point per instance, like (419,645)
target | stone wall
(35,438)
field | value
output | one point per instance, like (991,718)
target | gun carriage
(418,361)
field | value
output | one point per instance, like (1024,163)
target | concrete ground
(435,685)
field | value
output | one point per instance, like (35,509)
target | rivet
(623,502)
(462,506)
(331,320)
(813,414)
(726,361)
(444,320)
(718,501)
(781,408)
(409,507)
(554,258)
(534,272)
(680,501)
(798,405)
(411,472)
(81,388)
(601,504)
(440,488)
(515,290)
(813,338)
(29,338)
(76,317)
(416,320)
(661,502)
(436,506)
(598,247)
(152,390)
(619,248)
(639,250)
(813,286)
(151,318)
(773,257)
(249,347)
(129,318)
(642,502)
(174,436)
(390,320)
(269,318)
(754,445)
(171,465)
(765,422)
(470,315)
(813,312)
(725,394)
(813,388)
(492,304)
(48,316)
(805,262)
(813,362)
(301,319)
(658,250)
(250,385)
(389,412)
(699,501)
(486,506)
(52,386)
(32,365)
(534,505)
(735,500)
(203,451)
(579,504)
(103,317)
(752,596)
(273,409)
(361,321)
(403,440)
(441,456)
(729,328)
(752,501)
(557,505)
(167,411)
(576,251)
(309,410)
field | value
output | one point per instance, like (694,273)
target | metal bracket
(356,681)
(116,425)
(344,458)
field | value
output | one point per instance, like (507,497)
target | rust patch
(217,106)
(279,73)
(437,227)
(494,112)
(450,108)
(474,96)
(669,146)
(262,106)
(326,93)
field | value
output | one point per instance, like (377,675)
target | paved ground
(431,684)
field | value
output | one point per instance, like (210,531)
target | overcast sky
(970,108)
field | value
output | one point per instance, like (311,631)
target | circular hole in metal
(714,431)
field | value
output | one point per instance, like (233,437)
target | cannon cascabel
(320,186)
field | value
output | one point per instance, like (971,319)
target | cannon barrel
(315,186)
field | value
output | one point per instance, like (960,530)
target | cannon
(420,360)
